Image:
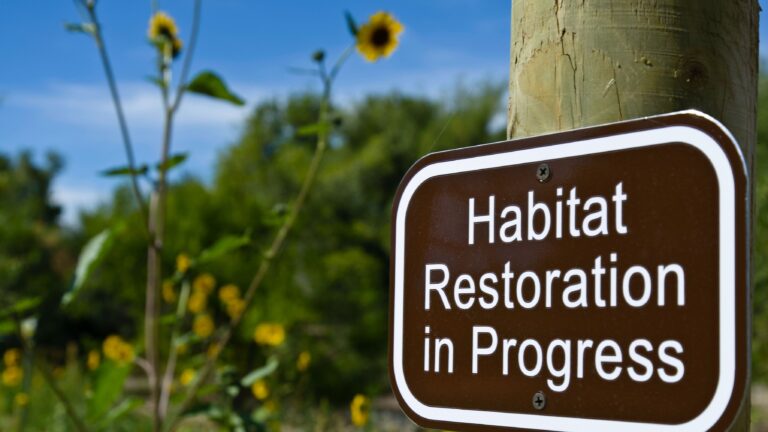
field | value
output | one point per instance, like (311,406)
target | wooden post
(577,63)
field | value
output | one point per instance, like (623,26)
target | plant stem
(181,309)
(269,255)
(160,392)
(188,58)
(49,379)
(107,65)
(27,367)
(155,248)
(154,272)
(70,410)
(340,62)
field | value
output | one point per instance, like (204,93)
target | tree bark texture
(577,63)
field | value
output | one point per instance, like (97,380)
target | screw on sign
(543,173)
(593,300)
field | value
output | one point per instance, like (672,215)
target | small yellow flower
(303,361)
(126,354)
(162,29)
(21,399)
(197,302)
(203,325)
(111,346)
(187,376)
(271,334)
(235,308)
(94,359)
(12,376)
(169,293)
(228,293)
(359,410)
(118,350)
(182,263)
(205,283)
(379,36)
(12,357)
(260,390)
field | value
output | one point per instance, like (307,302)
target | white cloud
(90,105)
(80,120)
(74,199)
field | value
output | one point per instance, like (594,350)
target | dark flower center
(380,37)
(165,31)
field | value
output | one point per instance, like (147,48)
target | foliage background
(332,279)
(329,287)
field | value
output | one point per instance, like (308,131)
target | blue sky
(53,93)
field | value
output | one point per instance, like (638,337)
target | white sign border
(727,263)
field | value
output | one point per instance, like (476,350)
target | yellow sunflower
(163,30)
(203,326)
(379,36)
(228,293)
(187,377)
(235,308)
(260,390)
(269,334)
(359,410)
(118,350)
(12,376)
(12,357)
(303,361)
(161,24)
(182,263)
(197,302)
(169,294)
(93,360)
(205,283)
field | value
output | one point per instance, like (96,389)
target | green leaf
(7,327)
(260,373)
(185,339)
(91,255)
(351,24)
(174,160)
(224,246)
(168,319)
(209,84)
(87,28)
(119,411)
(124,170)
(261,414)
(107,390)
(21,306)
(313,129)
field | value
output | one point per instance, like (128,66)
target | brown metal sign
(591,280)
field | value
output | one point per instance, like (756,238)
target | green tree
(35,257)
(760,298)
(330,285)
